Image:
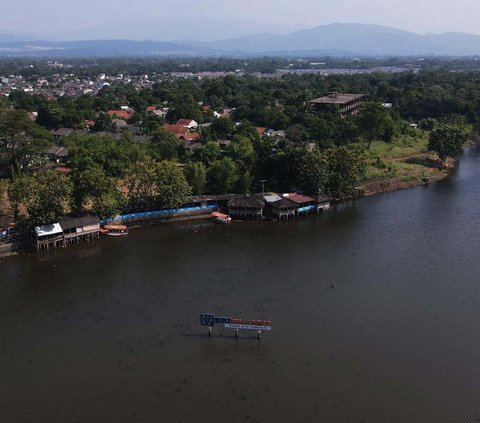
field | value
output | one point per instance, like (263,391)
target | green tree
(94,190)
(141,185)
(50,114)
(244,183)
(344,169)
(375,123)
(171,184)
(164,145)
(196,173)
(242,151)
(20,138)
(222,176)
(447,141)
(103,122)
(209,153)
(157,185)
(44,196)
(313,172)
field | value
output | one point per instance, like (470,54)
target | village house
(159,113)
(188,136)
(65,132)
(188,123)
(119,114)
(261,130)
(57,154)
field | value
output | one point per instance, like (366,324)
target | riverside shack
(246,207)
(283,209)
(48,236)
(322,201)
(304,204)
(80,228)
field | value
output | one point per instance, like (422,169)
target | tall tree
(45,197)
(20,138)
(447,141)
(172,186)
(164,145)
(222,176)
(157,185)
(196,173)
(313,172)
(375,123)
(344,170)
(95,191)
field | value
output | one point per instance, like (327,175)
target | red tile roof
(151,108)
(184,122)
(175,129)
(260,130)
(63,169)
(298,198)
(188,136)
(123,114)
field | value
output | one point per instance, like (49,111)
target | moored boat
(220,217)
(114,230)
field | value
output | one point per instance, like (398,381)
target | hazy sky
(416,15)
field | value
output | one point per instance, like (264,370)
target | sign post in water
(208,319)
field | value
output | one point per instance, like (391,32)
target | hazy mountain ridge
(100,48)
(338,38)
(357,38)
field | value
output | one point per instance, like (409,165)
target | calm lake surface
(109,331)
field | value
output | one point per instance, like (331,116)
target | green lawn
(405,158)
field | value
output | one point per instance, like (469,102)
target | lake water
(109,331)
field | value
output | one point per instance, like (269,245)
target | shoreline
(368,189)
(375,187)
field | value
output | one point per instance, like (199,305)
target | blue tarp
(306,209)
(158,213)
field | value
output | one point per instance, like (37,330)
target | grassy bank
(402,163)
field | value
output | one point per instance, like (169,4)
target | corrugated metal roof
(45,230)
(298,198)
(246,202)
(272,198)
(79,222)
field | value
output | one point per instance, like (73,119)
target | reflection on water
(109,331)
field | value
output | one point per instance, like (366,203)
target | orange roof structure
(175,129)
(122,114)
(260,130)
(188,136)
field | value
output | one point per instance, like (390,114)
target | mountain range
(328,40)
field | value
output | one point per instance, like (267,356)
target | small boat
(114,230)
(220,217)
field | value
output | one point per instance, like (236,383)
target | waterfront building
(304,204)
(48,236)
(246,207)
(283,209)
(80,228)
(322,201)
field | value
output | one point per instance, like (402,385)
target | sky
(421,16)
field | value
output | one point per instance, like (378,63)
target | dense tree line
(319,152)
